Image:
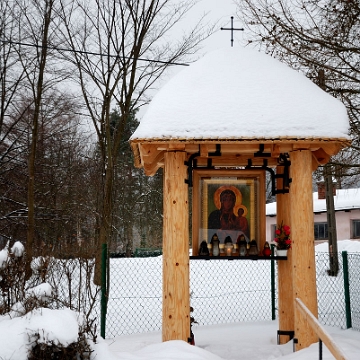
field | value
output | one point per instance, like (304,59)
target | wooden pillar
(285,278)
(176,295)
(303,250)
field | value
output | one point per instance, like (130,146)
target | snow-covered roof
(240,93)
(345,199)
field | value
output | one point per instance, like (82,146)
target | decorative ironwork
(192,163)
(283,161)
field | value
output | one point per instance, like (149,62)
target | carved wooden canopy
(150,154)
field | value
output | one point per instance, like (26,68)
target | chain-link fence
(331,297)
(230,291)
(135,296)
(354,289)
(223,292)
(339,296)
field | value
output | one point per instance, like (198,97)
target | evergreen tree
(137,220)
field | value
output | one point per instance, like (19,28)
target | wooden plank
(176,296)
(276,151)
(237,148)
(315,163)
(204,150)
(177,146)
(332,148)
(321,156)
(136,152)
(303,249)
(320,331)
(149,154)
(152,167)
(236,160)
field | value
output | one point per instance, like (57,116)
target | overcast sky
(221,11)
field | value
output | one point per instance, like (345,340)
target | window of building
(273,229)
(355,229)
(321,231)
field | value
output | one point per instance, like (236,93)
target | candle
(229,247)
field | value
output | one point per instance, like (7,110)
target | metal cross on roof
(232,30)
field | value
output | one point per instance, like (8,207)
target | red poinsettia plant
(282,239)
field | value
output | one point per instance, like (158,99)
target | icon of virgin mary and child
(230,217)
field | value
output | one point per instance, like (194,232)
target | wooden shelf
(236,257)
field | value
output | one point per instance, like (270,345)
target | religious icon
(228,203)
(229,215)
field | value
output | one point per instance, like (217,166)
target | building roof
(345,199)
(237,94)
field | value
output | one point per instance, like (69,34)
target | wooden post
(303,247)
(176,295)
(285,277)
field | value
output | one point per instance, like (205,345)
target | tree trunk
(32,156)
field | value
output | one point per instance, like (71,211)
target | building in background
(347,215)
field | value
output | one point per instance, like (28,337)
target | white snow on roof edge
(239,93)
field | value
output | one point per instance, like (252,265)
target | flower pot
(281,252)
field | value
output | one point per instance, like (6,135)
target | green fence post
(346,289)
(103,302)
(273,313)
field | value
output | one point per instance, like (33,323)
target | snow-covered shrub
(55,284)
(12,279)
(57,334)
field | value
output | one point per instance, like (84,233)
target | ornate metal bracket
(192,163)
(283,161)
(261,152)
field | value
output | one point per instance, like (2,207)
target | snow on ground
(351,246)
(255,341)
(243,341)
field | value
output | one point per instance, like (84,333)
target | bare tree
(314,36)
(63,206)
(120,50)
(11,82)
(39,12)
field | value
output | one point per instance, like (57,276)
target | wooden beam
(320,331)
(332,148)
(152,167)
(321,156)
(276,151)
(236,160)
(176,296)
(303,247)
(204,150)
(149,153)
(315,163)
(176,146)
(150,170)
(238,149)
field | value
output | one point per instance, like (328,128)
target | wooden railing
(319,330)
